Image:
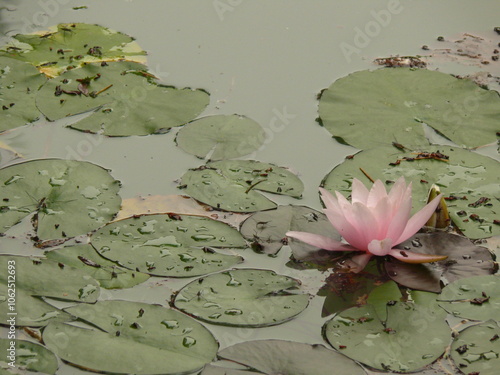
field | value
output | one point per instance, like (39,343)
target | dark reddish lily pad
(464,260)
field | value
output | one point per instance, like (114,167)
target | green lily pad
(242,297)
(266,230)
(67,197)
(468,181)
(476,349)
(36,277)
(221,137)
(231,185)
(132,337)
(169,245)
(19,83)
(285,357)
(70,45)
(370,107)
(125,97)
(28,357)
(474,298)
(109,274)
(408,337)
(464,260)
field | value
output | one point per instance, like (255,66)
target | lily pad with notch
(132,337)
(71,45)
(232,185)
(29,356)
(370,107)
(242,298)
(109,274)
(221,137)
(169,245)
(66,197)
(266,230)
(36,278)
(19,83)
(125,98)
(474,298)
(283,357)
(397,340)
(476,349)
(469,181)
(464,260)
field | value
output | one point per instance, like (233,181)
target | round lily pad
(35,278)
(413,336)
(381,106)
(169,244)
(476,349)
(285,357)
(468,181)
(125,97)
(242,297)
(28,356)
(109,274)
(19,83)
(70,45)
(474,298)
(132,337)
(221,137)
(232,185)
(67,197)
(266,230)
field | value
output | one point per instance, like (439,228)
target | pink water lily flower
(374,222)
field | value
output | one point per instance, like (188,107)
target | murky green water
(266,60)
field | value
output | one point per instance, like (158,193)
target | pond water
(265,60)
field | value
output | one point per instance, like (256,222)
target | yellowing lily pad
(67,197)
(221,137)
(242,297)
(125,98)
(469,181)
(367,108)
(71,45)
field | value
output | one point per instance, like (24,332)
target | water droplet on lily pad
(13,179)
(233,312)
(170,324)
(202,237)
(91,192)
(188,341)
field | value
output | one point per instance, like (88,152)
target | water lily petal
(380,247)
(399,192)
(381,212)
(366,224)
(359,192)
(418,220)
(329,200)
(399,221)
(358,262)
(411,257)
(377,192)
(347,209)
(344,227)
(320,241)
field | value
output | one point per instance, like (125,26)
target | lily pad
(28,357)
(370,107)
(125,97)
(476,350)
(36,277)
(285,357)
(474,298)
(70,45)
(468,181)
(266,230)
(231,185)
(19,83)
(132,337)
(169,245)
(464,260)
(408,337)
(67,197)
(221,137)
(109,274)
(242,297)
